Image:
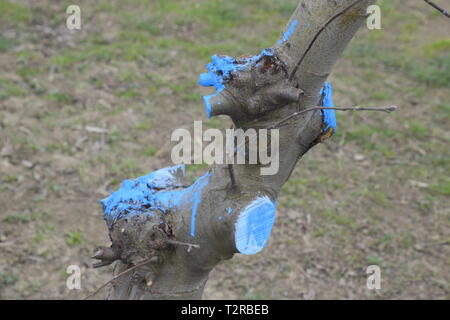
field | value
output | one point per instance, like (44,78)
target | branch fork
(283,86)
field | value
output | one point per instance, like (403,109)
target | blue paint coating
(328,114)
(220,71)
(208,107)
(159,190)
(288,32)
(193,216)
(254,225)
(136,196)
(196,196)
(230,210)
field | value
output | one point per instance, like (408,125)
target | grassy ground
(376,193)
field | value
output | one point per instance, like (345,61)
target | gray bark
(257,97)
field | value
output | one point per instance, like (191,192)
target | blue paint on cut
(329,115)
(164,178)
(230,210)
(308,25)
(137,196)
(288,32)
(220,71)
(160,190)
(193,216)
(208,107)
(254,225)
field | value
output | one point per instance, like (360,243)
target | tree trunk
(232,207)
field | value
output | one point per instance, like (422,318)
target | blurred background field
(82,110)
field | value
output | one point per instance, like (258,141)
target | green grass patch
(373,260)
(149,26)
(149,152)
(10,89)
(39,237)
(74,238)
(339,219)
(418,130)
(8,278)
(6,44)
(144,126)
(442,187)
(12,13)
(24,217)
(59,97)
(381,95)
(91,53)
(435,48)
(127,93)
(434,72)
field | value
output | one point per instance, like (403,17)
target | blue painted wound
(328,114)
(230,210)
(254,225)
(220,71)
(288,32)
(160,190)
(193,216)
(208,107)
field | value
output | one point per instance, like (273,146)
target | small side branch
(434,5)
(179,243)
(105,255)
(147,261)
(295,114)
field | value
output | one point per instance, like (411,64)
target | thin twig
(434,5)
(291,77)
(140,264)
(295,114)
(179,243)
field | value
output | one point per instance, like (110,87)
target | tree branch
(121,274)
(434,5)
(296,114)
(146,216)
(318,33)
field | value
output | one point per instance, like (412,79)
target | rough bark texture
(259,92)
